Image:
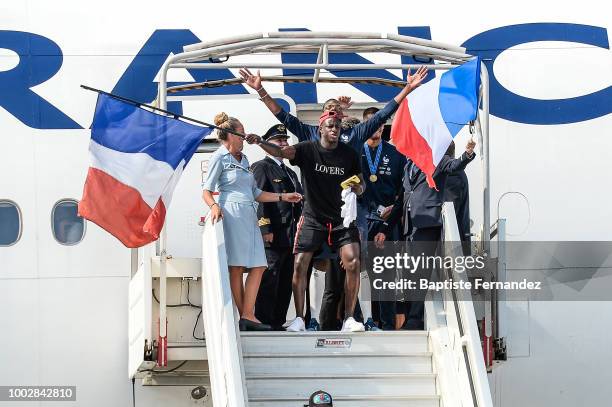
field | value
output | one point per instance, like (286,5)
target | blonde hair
(225,122)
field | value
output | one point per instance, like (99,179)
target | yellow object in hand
(347,183)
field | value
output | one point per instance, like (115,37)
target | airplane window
(68,227)
(10,223)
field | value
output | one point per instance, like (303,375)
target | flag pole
(140,104)
(175,115)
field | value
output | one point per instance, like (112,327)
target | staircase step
(373,401)
(338,363)
(371,384)
(335,342)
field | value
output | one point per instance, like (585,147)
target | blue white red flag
(434,113)
(137,158)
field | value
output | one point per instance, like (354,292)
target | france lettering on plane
(41,59)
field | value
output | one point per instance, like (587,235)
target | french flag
(137,158)
(434,113)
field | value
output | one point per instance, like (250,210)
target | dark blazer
(279,218)
(457,191)
(425,203)
(422,205)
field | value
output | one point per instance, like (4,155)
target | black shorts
(312,234)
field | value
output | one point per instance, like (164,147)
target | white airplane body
(64,314)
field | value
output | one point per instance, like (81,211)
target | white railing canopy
(322,43)
(218,55)
(259,46)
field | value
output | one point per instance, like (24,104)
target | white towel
(349,209)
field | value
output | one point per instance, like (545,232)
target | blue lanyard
(373,166)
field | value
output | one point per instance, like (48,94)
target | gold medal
(373,165)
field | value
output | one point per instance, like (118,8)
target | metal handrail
(227,377)
(482,129)
(470,339)
(499,296)
(457,326)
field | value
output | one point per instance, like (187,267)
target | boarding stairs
(375,369)
(441,366)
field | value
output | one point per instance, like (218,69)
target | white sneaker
(297,325)
(350,325)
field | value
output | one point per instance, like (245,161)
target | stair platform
(374,369)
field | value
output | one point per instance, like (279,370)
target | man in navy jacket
(422,211)
(355,136)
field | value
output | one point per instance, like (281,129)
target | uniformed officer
(277,222)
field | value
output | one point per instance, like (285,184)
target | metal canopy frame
(217,55)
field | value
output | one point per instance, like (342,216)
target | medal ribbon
(373,166)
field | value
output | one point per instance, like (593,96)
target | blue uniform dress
(237,194)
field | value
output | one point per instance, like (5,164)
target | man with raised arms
(325,164)
(355,136)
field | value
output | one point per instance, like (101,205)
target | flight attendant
(229,173)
